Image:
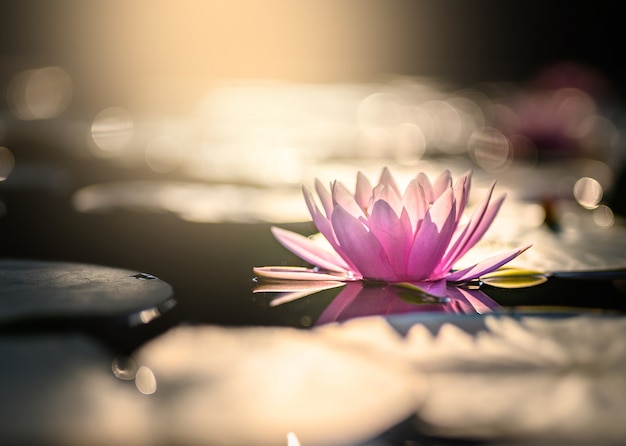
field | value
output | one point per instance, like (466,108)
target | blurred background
(167,135)
(114,45)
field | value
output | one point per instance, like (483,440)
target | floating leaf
(510,277)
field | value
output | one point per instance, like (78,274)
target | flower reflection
(360,299)
(381,233)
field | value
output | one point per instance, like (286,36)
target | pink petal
(461,193)
(294,273)
(361,246)
(424,182)
(414,201)
(387,179)
(393,233)
(437,288)
(363,192)
(338,305)
(325,198)
(309,251)
(311,205)
(475,233)
(291,286)
(485,266)
(442,183)
(290,296)
(342,197)
(484,223)
(432,238)
(323,225)
(480,221)
(478,301)
(370,301)
(386,193)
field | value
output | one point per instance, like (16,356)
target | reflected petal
(361,300)
(476,300)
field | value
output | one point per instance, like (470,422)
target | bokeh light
(145,380)
(603,216)
(111,130)
(588,192)
(490,149)
(195,202)
(7,163)
(41,93)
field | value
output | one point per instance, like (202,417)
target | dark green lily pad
(32,289)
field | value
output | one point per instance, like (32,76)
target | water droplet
(124,367)
(143,276)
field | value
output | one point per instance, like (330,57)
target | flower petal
(414,202)
(476,300)
(342,197)
(393,233)
(485,266)
(383,192)
(437,288)
(309,251)
(297,273)
(427,187)
(363,192)
(288,285)
(387,179)
(323,225)
(325,198)
(361,246)
(339,304)
(461,193)
(432,238)
(442,183)
(480,221)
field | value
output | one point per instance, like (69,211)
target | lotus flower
(380,233)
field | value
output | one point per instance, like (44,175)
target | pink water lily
(381,233)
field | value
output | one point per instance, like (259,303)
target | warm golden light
(195,202)
(163,154)
(123,42)
(292,439)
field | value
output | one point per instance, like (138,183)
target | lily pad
(33,289)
